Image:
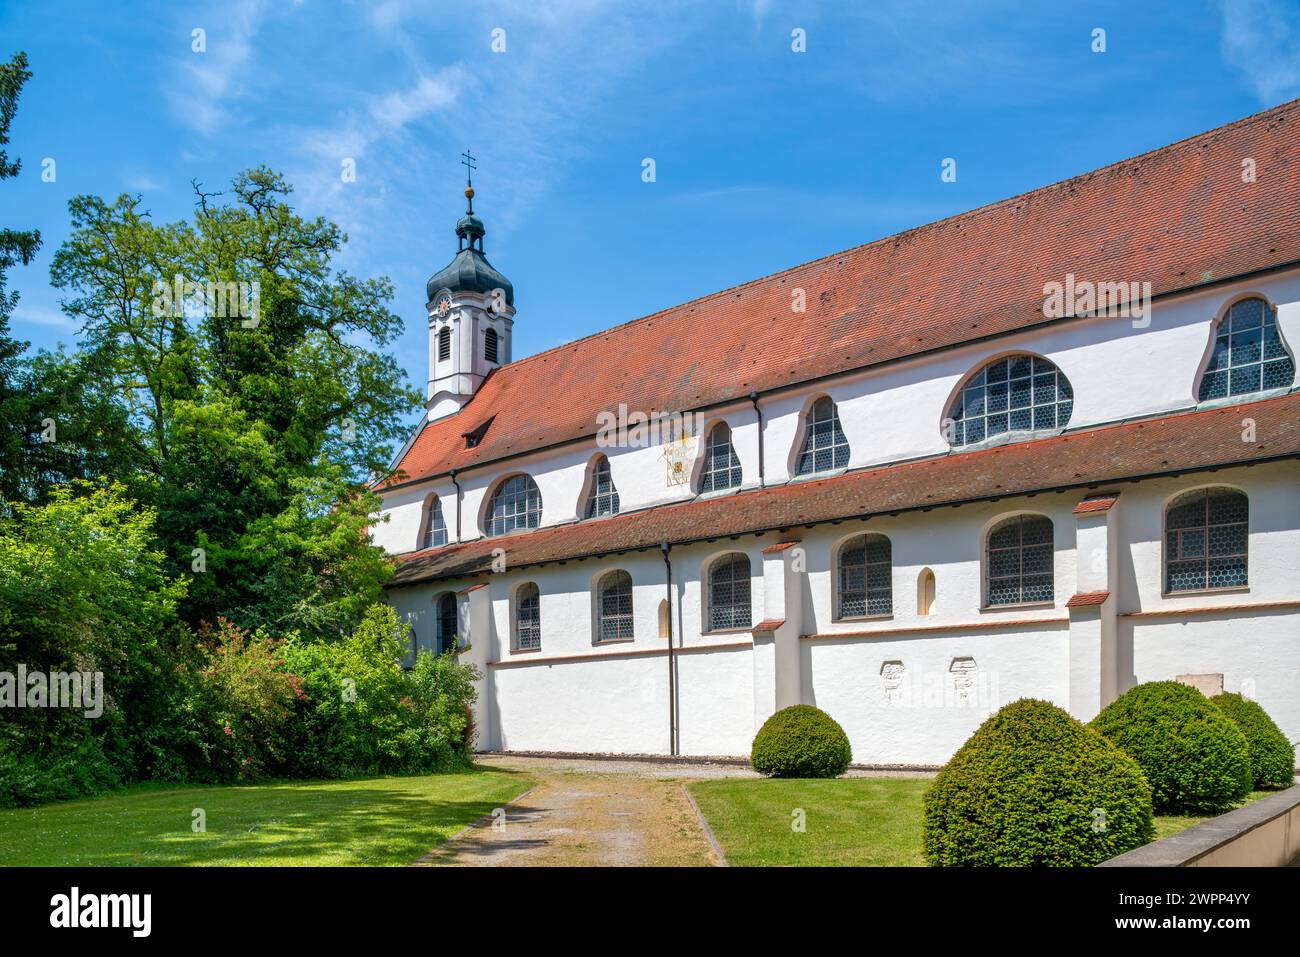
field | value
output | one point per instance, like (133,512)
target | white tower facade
(471,317)
(469,336)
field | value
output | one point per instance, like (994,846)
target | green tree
(82,588)
(16,246)
(256,418)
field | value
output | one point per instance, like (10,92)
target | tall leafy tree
(259,401)
(16,246)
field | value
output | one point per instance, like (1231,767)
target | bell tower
(471,314)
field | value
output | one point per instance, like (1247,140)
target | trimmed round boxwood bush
(1194,757)
(801,742)
(1272,757)
(1033,787)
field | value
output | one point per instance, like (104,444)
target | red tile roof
(769,624)
(1179,217)
(1184,442)
(1096,503)
(1086,598)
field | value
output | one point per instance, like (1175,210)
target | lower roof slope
(1179,217)
(1184,442)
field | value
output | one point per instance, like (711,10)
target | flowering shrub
(364,714)
(241,701)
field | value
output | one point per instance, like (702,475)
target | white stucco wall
(613,696)
(1256,651)
(891,413)
(924,721)
(575,694)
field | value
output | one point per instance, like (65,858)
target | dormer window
(475,435)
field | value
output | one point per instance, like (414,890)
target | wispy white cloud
(43,316)
(759,8)
(143,183)
(1261,39)
(521,111)
(203,83)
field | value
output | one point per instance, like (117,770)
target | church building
(1047,448)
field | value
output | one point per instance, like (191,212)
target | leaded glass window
(1019,561)
(1015,394)
(1249,354)
(614,598)
(528,617)
(516,505)
(721,464)
(435,527)
(448,623)
(825,447)
(604,496)
(1206,540)
(865,577)
(729,593)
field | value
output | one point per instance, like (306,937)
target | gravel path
(576,817)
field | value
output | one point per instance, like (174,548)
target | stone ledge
(1226,840)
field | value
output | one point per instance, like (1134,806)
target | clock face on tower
(442,303)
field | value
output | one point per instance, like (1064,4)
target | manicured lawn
(376,821)
(850,821)
(1167,824)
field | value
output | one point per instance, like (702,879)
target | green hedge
(1033,787)
(801,742)
(1272,757)
(1195,758)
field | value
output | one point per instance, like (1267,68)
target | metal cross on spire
(467,160)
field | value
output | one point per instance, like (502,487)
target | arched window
(1018,562)
(729,593)
(614,606)
(663,617)
(603,497)
(1249,354)
(448,623)
(824,445)
(1014,394)
(516,505)
(444,343)
(528,617)
(721,464)
(490,345)
(434,532)
(865,575)
(1206,534)
(925,592)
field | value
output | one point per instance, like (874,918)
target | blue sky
(765,158)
